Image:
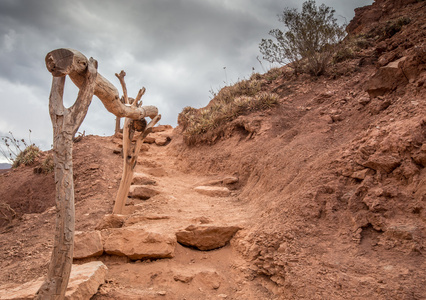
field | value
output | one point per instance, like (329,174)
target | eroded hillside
(327,185)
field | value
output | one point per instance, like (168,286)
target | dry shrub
(47,165)
(27,156)
(230,103)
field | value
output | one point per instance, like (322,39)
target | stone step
(142,192)
(213,191)
(206,237)
(139,243)
(84,282)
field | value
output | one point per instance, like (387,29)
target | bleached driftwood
(130,150)
(61,62)
(66,121)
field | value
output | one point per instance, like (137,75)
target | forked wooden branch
(61,62)
(130,151)
(65,122)
(120,77)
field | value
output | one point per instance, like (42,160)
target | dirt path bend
(191,273)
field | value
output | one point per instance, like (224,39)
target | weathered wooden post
(130,150)
(66,121)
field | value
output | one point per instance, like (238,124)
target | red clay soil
(331,193)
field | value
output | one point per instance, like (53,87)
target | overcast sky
(177,49)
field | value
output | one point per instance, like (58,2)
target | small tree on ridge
(311,38)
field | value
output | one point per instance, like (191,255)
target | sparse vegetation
(26,157)
(230,103)
(47,165)
(18,151)
(310,41)
(389,29)
(393,27)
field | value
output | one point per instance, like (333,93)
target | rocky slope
(329,201)
(339,168)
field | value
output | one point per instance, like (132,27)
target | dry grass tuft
(27,156)
(231,101)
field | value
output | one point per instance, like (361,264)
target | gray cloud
(177,49)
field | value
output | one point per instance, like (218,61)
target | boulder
(111,221)
(387,79)
(142,192)
(161,140)
(206,237)
(139,243)
(87,244)
(84,282)
(382,162)
(149,140)
(142,179)
(213,191)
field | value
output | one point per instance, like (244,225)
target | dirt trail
(191,273)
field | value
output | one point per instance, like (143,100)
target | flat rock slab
(84,283)
(142,179)
(139,243)
(220,181)
(142,192)
(138,218)
(213,191)
(87,244)
(206,237)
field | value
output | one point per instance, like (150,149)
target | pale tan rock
(111,221)
(161,128)
(230,180)
(144,148)
(161,140)
(206,237)
(84,282)
(387,79)
(139,243)
(87,244)
(142,179)
(213,191)
(225,180)
(20,292)
(149,140)
(142,192)
(210,278)
(183,277)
